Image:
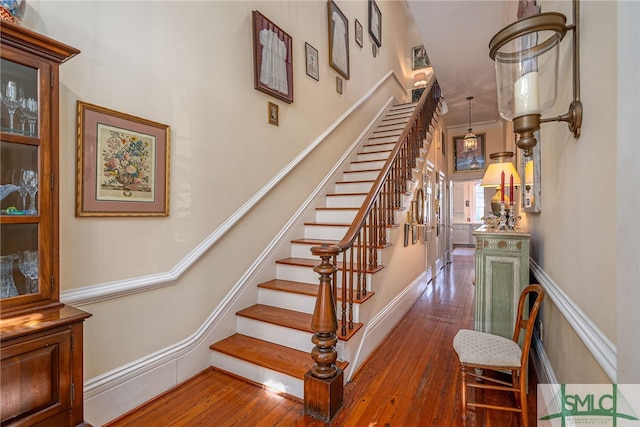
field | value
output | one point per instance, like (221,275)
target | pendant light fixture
(470,140)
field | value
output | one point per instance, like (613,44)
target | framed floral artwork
(272,58)
(122,164)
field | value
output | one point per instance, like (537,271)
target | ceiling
(460,59)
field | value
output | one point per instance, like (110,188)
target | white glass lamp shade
(526,61)
(420,79)
(493,176)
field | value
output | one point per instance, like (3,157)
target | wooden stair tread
(278,358)
(357,182)
(364,170)
(289,319)
(305,289)
(305,262)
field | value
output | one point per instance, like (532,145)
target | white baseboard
(542,365)
(382,323)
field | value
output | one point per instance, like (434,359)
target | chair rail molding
(601,348)
(121,389)
(117,289)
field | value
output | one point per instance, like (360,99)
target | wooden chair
(478,351)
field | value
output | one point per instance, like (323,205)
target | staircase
(272,344)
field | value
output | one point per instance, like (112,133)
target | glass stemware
(17,180)
(28,264)
(11,99)
(29,107)
(30,181)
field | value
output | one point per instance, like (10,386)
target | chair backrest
(528,323)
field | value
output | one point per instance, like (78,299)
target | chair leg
(463,390)
(523,398)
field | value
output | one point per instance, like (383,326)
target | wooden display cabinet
(40,338)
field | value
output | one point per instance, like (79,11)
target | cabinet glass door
(20,181)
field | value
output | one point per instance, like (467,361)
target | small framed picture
(311,54)
(375,23)
(338,85)
(419,58)
(272,111)
(358,32)
(468,161)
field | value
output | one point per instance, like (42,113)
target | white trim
(601,348)
(120,288)
(139,380)
(384,321)
(544,370)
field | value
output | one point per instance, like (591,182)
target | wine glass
(11,99)
(29,109)
(28,264)
(17,180)
(30,181)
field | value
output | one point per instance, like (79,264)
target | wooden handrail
(367,233)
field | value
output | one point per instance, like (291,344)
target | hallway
(410,380)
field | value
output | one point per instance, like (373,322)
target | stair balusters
(367,233)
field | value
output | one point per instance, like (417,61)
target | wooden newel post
(323,383)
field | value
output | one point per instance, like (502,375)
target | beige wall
(189,65)
(573,237)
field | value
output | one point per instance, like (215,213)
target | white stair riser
(336,216)
(363,166)
(393,133)
(291,301)
(271,379)
(379,146)
(301,250)
(346,201)
(382,155)
(383,140)
(281,335)
(352,187)
(386,126)
(325,232)
(402,121)
(369,175)
(302,274)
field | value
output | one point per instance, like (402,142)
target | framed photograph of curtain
(122,164)
(272,58)
(375,23)
(338,40)
(468,161)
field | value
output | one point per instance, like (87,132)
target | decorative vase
(12,10)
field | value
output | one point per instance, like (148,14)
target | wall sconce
(493,178)
(526,57)
(420,79)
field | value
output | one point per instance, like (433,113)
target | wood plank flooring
(412,379)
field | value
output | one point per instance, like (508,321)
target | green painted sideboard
(502,273)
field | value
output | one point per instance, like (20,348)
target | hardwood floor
(412,379)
